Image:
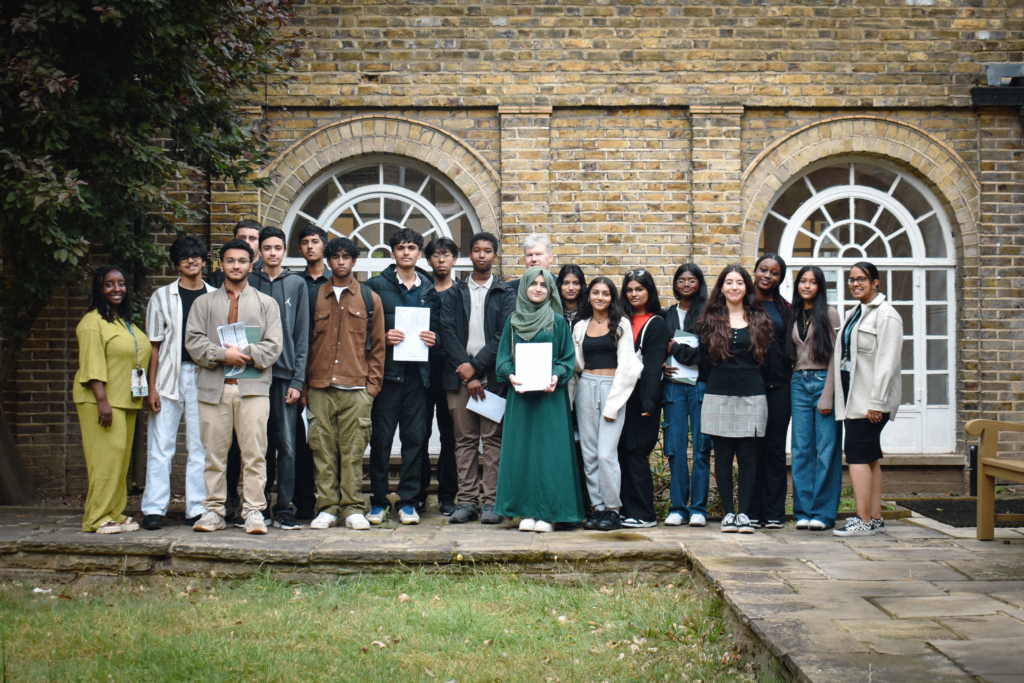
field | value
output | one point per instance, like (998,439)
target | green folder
(252,335)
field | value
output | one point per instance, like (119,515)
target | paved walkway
(923,602)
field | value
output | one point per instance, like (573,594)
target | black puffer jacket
(392,295)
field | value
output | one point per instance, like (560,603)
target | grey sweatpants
(599,441)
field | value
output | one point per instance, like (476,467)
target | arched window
(838,212)
(370,198)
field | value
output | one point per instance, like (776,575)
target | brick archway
(372,134)
(949,176)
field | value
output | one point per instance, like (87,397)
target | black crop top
(600,353)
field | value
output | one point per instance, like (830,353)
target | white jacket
(627,371)
(876,347)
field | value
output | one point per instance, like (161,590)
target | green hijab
(531,318)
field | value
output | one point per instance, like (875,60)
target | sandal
(109,527)
(129,524)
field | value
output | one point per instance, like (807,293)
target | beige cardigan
(627,371)
(803,356)
(876,344)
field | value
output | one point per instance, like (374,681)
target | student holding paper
(402,401)
(682,397)
(538,478)
(609,366)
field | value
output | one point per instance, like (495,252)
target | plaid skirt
(734,416)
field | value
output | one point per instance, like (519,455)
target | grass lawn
(481,626)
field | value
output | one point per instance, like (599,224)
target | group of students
(317,381)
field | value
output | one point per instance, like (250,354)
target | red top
(638,324)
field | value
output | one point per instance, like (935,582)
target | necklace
(600,321)
(807,321)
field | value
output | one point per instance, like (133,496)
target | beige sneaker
(254,523)
(210,521)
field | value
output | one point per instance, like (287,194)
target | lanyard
(138,363)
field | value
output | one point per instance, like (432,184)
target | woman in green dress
(538,477)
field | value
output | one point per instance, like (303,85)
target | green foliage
(104,112)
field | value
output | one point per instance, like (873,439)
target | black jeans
(745,451)
(637,492)
(305,474)
(281,445)
(233,504)
(769,502)
(446,472)
(402,406)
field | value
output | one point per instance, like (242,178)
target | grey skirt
(734,416)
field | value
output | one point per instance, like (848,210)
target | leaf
(379,644)
(404,598)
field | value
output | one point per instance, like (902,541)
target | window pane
(839,210)
(938,352)
(937,320)
(887,223)
(907,359)
(830,287)
(874,176)
(367,175)
(934,243)
(935,285)
(902,285)
(824,178)
(908,390)
(907,195)
(900,246)
(907,313)
(938,390)
(792,199)
(828,248)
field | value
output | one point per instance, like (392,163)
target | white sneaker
(210,521)
(542,527)
(254,523)
(816,525)
(356,521)
(528,524)
(325,520)
(376,515)
(729,524)
(744,525)
(697,519)
(674,519)
(408,515)
(634,523)
(803,523)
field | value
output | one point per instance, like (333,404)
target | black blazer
(499,304)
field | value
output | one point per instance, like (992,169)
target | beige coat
(876,344)
(627,371)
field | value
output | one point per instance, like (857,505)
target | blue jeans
(817,452)
(681,403)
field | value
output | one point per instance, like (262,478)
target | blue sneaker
(376,515)
(408,515)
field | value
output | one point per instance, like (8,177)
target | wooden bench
(990,467)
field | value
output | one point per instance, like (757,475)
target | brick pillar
(717,168)
(525,180)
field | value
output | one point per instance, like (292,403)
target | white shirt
(477,299)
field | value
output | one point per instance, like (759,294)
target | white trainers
(816,525)
(408,515)
(254,523)
(804,524)
(325,520)
(543,527)
(697,519)
(674,519)
(356,521)
(743,524)
(528,524)
(729,524)
(210,521)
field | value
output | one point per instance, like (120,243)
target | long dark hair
(781,305)
(615,312)
(645,280)
(823,342)
(699,301)
(578,272)
(716,332)
(99,301)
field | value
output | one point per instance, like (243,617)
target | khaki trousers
(470,429)
(247,417)
(108,451)
(339,431)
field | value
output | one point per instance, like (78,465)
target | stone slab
(894,629)
(63,541)
(976,628)
(877,668)
(989,569)
(788,635)
(983,657)
(860,570)
(941,606)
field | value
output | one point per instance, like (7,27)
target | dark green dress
(538,475)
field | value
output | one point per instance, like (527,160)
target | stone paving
(922,602)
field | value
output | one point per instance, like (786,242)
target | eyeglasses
(856,280)
(236,261)
(185,259)
(637,273)
(686,281)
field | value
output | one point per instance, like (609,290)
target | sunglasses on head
(637,273)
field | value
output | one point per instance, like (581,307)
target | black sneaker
(447,508)
(609,522)
(774,524)
(421,505)
(465,513)
(489,516)
(192,520)
(238,521)
(153,522)
(286,520)
(268,515)
(594,519)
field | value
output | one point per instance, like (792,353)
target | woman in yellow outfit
(108,391)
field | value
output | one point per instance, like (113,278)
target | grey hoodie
(290,292)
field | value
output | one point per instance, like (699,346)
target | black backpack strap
(368,300)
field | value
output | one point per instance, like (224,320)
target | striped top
(164,324)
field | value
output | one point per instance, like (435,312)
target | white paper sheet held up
(412,321)
(533,366)
(684,373)
(492,407)
(233,335)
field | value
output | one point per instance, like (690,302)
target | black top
(676,320)
(600,353)
(777,368)
(572,317)
(188,297)
(640,433)
(738,376)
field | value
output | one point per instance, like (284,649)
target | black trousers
(446,472)
(281,445)
(745,452)
(769,502)
(401,406)
(637,492)
(234,473)
(305,474)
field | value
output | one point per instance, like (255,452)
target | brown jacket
(337,343)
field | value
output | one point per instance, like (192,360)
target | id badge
(140,387)
(844,365)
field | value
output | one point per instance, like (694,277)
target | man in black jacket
(402,401)
(472,319)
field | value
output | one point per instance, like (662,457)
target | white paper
(233,335)
(411,321)
(533,366)
(492,407)
(687,373)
